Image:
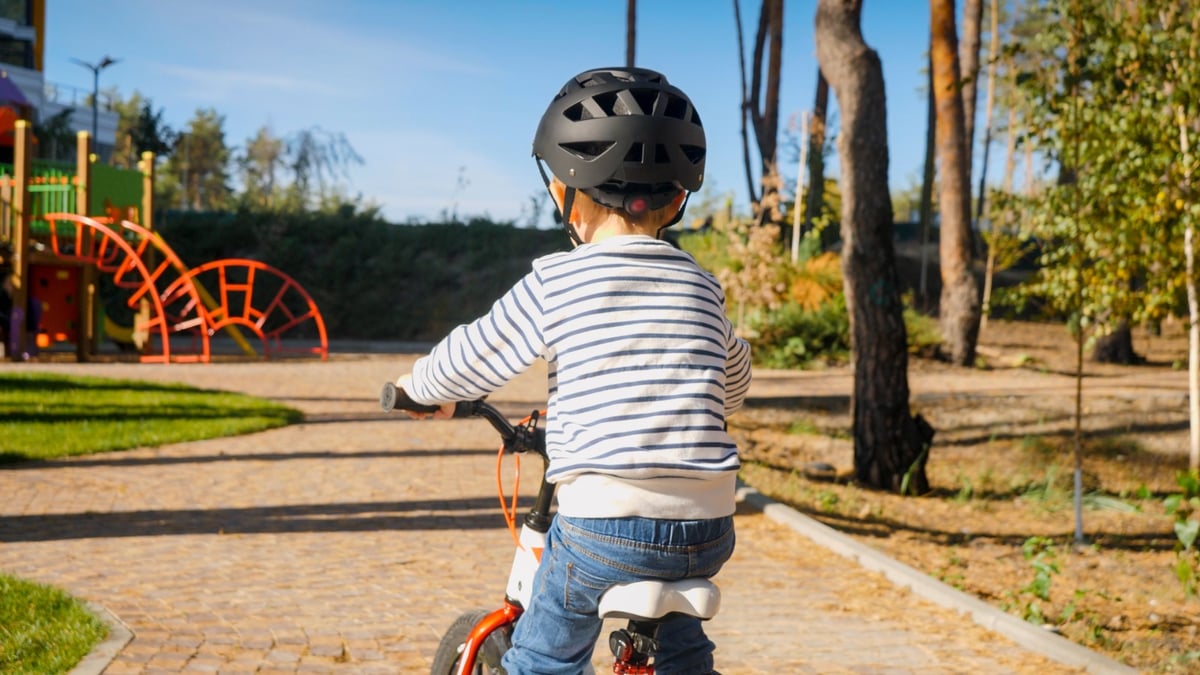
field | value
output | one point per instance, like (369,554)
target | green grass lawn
(43,416)
(42,629)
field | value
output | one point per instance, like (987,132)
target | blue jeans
(586,556)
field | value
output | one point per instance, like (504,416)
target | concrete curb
(103,654)
(1023,633)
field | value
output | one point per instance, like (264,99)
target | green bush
(792,337)
(924,334)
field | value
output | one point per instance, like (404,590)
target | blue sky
(441,99)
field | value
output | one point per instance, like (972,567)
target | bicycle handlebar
(395,398)
(515,439)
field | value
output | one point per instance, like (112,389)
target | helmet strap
(678,215)
(568,202)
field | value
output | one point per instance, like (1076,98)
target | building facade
(22,46)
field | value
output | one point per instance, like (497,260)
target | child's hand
(445,412)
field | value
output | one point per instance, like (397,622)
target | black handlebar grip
(395,398)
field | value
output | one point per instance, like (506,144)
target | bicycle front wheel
(487,661)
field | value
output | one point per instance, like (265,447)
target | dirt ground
(1000,519)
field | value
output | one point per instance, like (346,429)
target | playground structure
(76,262)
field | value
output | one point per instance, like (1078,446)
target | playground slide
(122,335)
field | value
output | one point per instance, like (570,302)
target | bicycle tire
(487,661)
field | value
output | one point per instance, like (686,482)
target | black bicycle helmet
(624,136)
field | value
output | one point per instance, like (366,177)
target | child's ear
(677,203)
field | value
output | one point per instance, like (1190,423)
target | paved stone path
(349,542)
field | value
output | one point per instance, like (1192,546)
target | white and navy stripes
(644,366)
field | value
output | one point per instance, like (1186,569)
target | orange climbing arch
(84,240)
(170,299)
(253,295)
(167,268)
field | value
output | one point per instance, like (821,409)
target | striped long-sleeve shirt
(643,364)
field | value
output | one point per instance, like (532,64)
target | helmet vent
(677,108)
(606,102)
(587,150)
(638,155)
(645,99)
(599,106)
(574,113)
(695,154)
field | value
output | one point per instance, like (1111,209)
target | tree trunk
(989,102)
(815,198)
(993,47)
(768,124)
(1030,181)
(765,121)
(768,134)
(1010,166)
(959,305)
(969,56)
(752,191)
(1116,347)
(927,188)
(1193,301)
(890,444)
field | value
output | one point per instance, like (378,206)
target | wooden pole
(145,216)
(22,147)
(86,339)
(141,335)
(147,168)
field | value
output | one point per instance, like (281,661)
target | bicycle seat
(646,600)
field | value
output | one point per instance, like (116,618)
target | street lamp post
(96,68)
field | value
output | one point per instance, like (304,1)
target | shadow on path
(116,459)
(882,527)
(449,514)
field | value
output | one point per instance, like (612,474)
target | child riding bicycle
(644,367)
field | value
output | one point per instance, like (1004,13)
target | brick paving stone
(348,544)
(283,655)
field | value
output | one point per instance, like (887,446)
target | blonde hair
(588,210)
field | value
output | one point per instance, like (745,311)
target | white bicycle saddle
(655,599)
